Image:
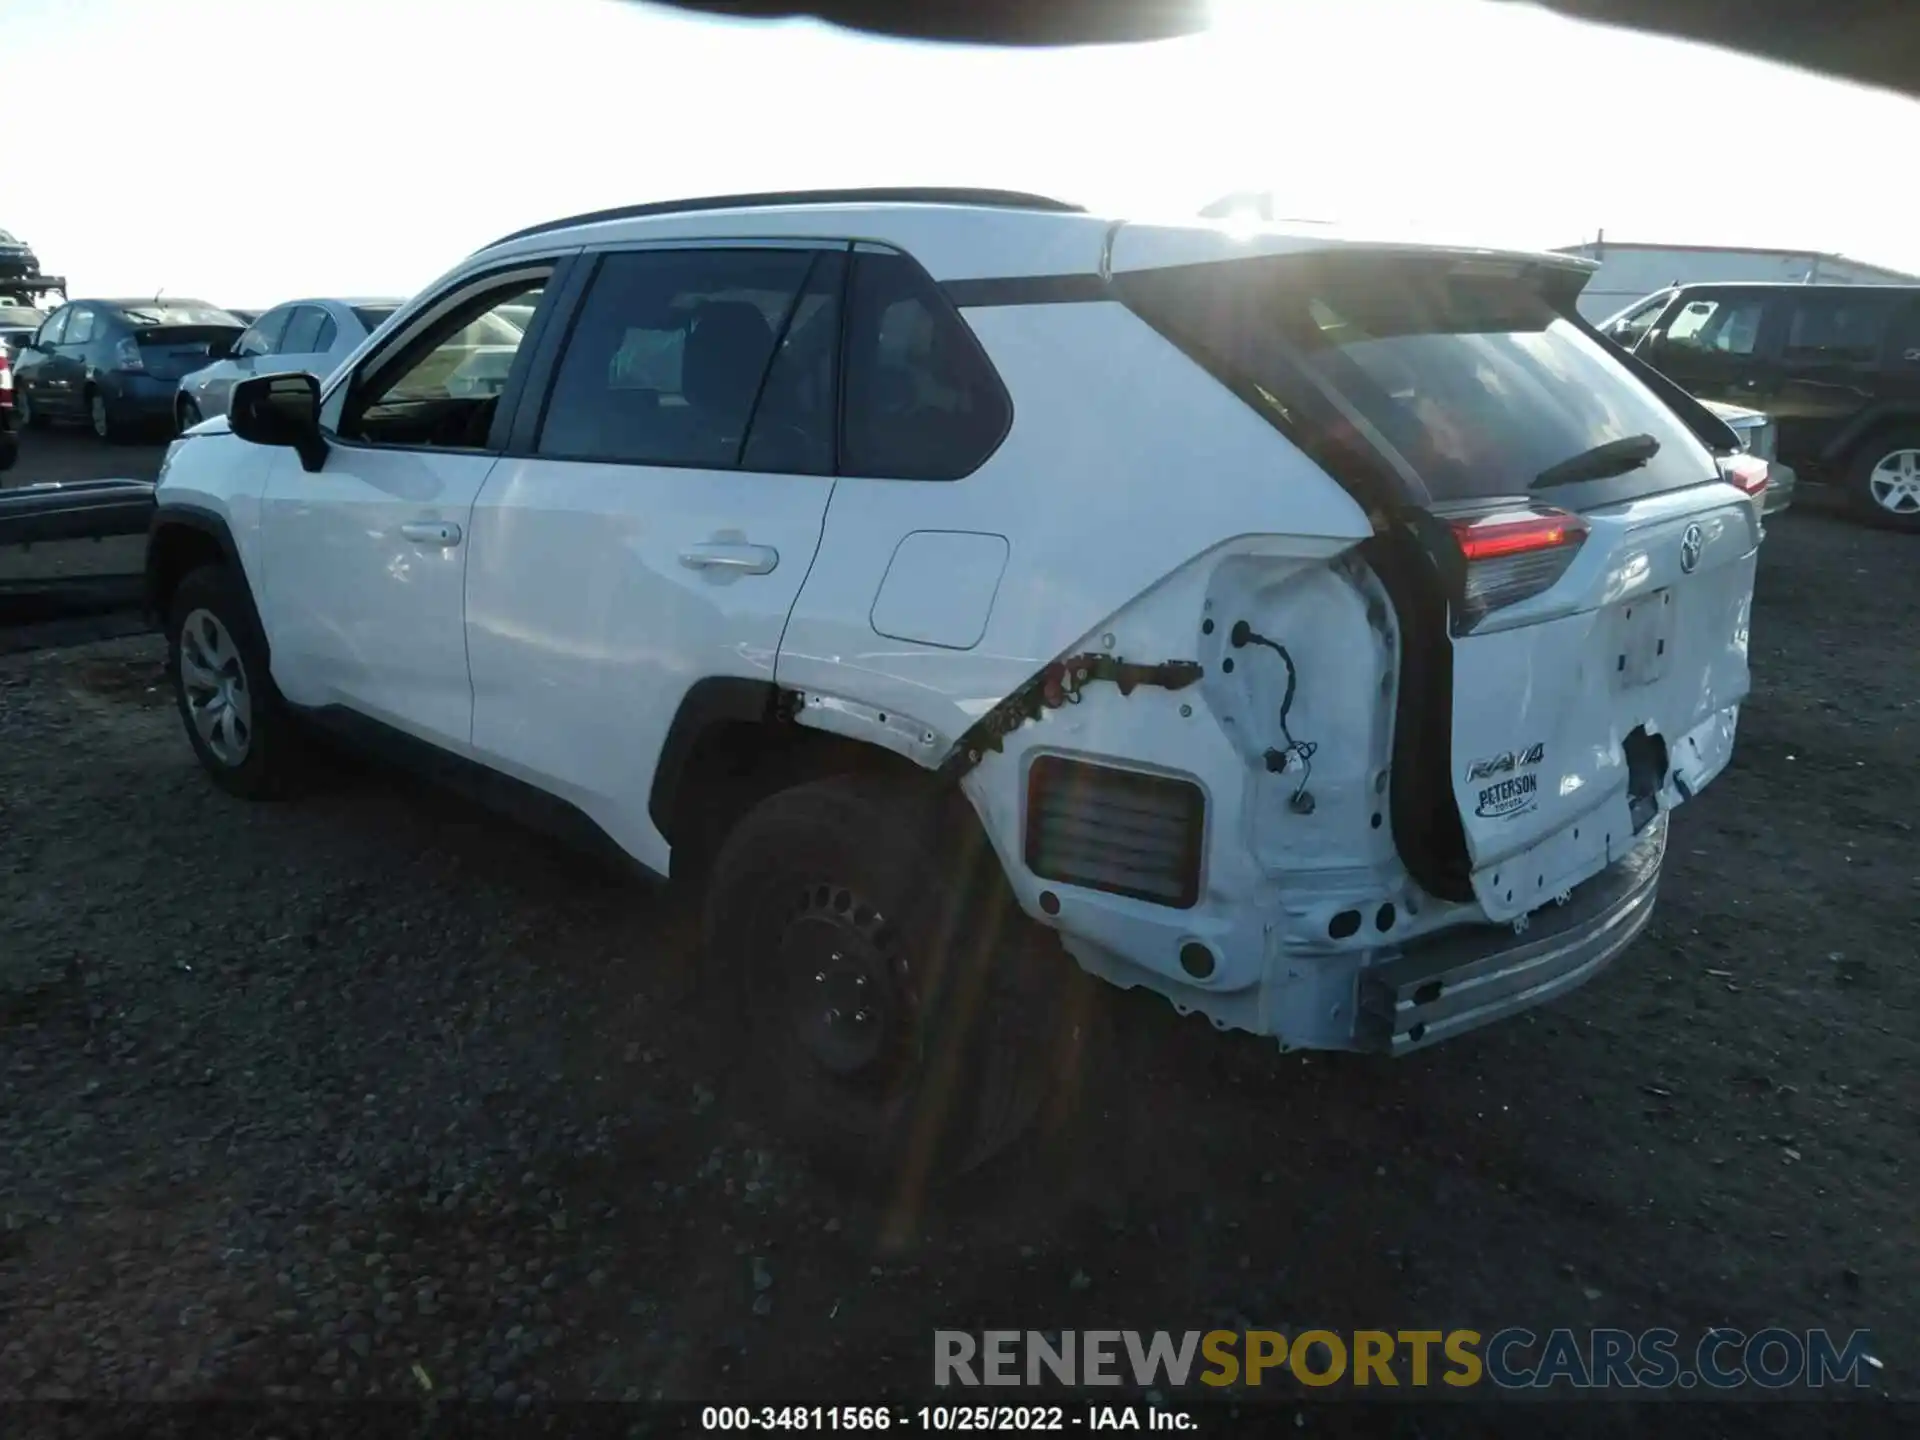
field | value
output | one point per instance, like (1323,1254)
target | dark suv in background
(1837,367)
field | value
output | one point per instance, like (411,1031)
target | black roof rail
(882,195)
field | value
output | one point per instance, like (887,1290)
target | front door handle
(432,532)
(744,559)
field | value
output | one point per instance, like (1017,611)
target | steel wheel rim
(846,1009)
(1894,483)
(97,412)
(213,682)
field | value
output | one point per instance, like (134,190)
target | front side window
(1721,326)
(440,386)
(670,355)
(922,400)
(1631,328)
(55,330)
(263,336)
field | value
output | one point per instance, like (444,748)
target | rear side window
(1837,327)
(922,400)
(81,327)
(328,333)
(670,354)
(1463,370)
(303,331)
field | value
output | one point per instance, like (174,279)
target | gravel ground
(372,1093)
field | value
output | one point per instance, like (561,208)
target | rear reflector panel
(1120,831)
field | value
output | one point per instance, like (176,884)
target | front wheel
(1885,480)
(23,407)
(235,720)
(904,1020)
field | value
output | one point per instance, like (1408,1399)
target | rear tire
(901,1017)
(1883,481)
(186,415)
(239,727)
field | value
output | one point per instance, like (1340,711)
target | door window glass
(303,331)
(1723,326)
(54,330)
(263,336)
(1630,329)
(440,388)
(328,333)
(669,355)
(922,401)
(81,327)
(1836,327)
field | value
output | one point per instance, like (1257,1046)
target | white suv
(1314,632)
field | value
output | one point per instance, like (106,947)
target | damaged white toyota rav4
(1312,631)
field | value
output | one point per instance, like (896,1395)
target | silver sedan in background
(313,335)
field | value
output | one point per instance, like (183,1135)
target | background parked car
(17,324)
(1837,367)
(115,364)
(310,335)
(9,437)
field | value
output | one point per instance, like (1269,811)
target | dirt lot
(321,1099)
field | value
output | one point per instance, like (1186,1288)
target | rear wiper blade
(1602,462)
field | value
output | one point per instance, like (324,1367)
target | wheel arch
(733,742)
(180,539)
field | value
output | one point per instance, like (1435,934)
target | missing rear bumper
(1462,980)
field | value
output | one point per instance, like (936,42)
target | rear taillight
(1749,472)
(126,355)
(1511,555)
(6,381)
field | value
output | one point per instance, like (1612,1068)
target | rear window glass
(149,315)
(19,315)
(1465,370)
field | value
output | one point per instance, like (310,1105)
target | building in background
(1629,271)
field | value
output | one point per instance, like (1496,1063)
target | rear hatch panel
(1590,692)
(170,352)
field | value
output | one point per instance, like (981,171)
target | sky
(249,151)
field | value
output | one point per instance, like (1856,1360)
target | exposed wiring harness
(1281,759)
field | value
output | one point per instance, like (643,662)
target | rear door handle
(432,532)
(746,559)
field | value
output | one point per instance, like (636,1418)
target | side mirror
(280,410)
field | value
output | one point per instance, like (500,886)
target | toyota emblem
(1691,544)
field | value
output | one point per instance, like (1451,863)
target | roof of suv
(1829,285)
(959,234)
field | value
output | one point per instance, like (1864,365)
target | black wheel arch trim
(1839,450)
(715,700)
(176,515)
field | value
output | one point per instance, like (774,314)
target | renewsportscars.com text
(1512,1358)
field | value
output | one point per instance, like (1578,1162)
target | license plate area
(1642,647)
